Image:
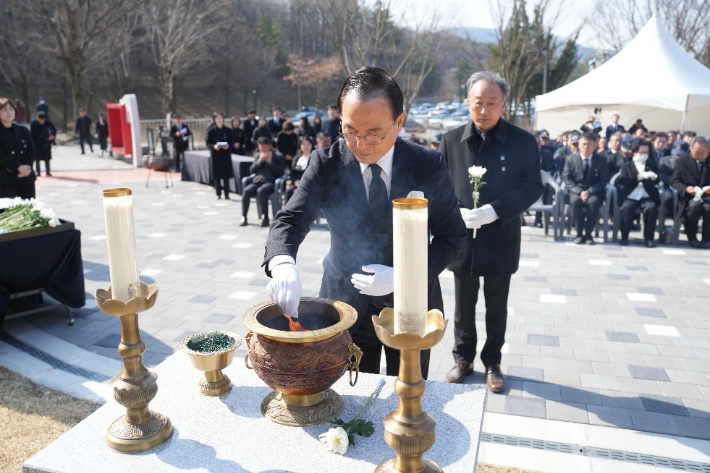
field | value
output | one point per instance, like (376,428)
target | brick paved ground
(603,335)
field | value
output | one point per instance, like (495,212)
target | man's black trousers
(628,214)
(585,227)
(262,191)
(693,211)
(495,292)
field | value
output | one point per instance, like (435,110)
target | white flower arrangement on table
(475,175)
(22,214)
(338,439)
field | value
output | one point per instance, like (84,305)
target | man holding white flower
(495,168)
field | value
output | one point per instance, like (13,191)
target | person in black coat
(287,142)
(665,172)
(353,183)
(219,142)
(691,178)
(636,186)
(250,124)
(331,125)
(180,133)
(261,131)
(585,176)
(300,163)
(17,154)
(277,122)
(317,124)
(547,164)
(305,129)
(42,107)
(638,125)
(563,152)
(614,127)
(614,157)
(268,166)
(102,132)
(511,158)
(82,129)
(238,137)
(592,125)
(43,133)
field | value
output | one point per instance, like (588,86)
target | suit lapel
(402,172)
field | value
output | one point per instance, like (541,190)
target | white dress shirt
(640,192)
(385,162)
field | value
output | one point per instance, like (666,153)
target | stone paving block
(541,390)
(496,403)
(526,374)
(580,395)
(664,404)
(566,411)
(621,399)
(219,318)
(539,362)
(693,427)
(623,337)
(527,407)
(627,359)
(688,377)
(655,422)
(646,312)
(600,382)
(563,378)
(642,349)
(610,416)
(645,372)
(607,346)
(109,341)
(650,290)
(663,362)
(610,369)
(591,355)
(697,408)
(619,277)
(681,390)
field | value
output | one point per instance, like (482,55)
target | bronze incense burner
(213,382)
(302,358)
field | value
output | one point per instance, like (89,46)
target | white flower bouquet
(475,174)
(22,215)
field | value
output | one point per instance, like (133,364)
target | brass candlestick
(409,431)
(140,429)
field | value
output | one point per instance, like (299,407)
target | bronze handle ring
(247,338)
(354,365)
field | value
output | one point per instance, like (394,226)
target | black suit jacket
(614,161)
(610,130)
(249,132)
(513,183)
(16,149)
(594,181)
(685,173)
(332,128)
(333,184)
(275,127)
(665,170)
(268,171)
(180,143)
(628,181)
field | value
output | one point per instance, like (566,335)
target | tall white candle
(410,238)
(121,238)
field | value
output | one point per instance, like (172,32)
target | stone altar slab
(229,434)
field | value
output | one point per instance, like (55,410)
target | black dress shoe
(227,197)
(495,379)
(460,370)
(705,245)
(649,244)
(243,222)
(694,243)
(219,197)
(624,242)
(49,174)
(265,222)
(578,240)
(589,241)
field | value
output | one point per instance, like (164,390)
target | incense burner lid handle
(247,339)
(354,365)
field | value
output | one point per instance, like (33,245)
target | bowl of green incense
(212,352)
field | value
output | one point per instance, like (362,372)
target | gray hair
(700,140)
(491,78)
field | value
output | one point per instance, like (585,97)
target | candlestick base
(409,431)
(140,429)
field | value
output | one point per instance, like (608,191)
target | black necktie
(378,196)
(585,166)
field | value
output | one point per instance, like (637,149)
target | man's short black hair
(588,135)
(82,109)
(372,82)
(638,143)
(264,140)
(177,115)
(251,111)
(41,115)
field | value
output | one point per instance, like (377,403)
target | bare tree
(368,36)
(688,21)
(312,73)
(74,25)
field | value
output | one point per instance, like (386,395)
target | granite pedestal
(229,434)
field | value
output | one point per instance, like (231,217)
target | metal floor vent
(51,360)
(637,458)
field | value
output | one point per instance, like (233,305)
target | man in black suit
(277,122)
(331,125)
(672,138)
(180,134)
(585,176)
(691,178)
(637,189)
(512,161)
(268,166)
(353,183)
(42,107)
(614,127)
(563,152)
(82,129)
(665,172)
(250,124)
(547,164)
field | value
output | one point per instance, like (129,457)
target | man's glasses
(369,139)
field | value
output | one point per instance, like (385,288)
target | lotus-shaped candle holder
(213,382)
(140,429)
(409,431)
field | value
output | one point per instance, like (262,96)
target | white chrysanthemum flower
(336,440)
(476,171)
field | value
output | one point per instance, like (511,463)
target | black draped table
(197,167)
(49,262)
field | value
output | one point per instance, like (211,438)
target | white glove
(705,189)
(415,195)
(476,218)
(647,175)
(381,283)
(698,194)
(285,288)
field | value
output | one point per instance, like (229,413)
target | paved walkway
(599,335)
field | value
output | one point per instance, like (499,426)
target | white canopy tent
(652,78)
